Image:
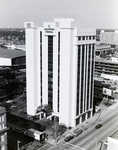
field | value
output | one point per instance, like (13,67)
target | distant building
(107,67)
(15,47)
(104,50)
(109,37)
(3,129)
(60,69)
(9,57)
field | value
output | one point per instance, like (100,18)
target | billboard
(108,92)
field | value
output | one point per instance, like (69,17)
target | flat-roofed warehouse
(11,57)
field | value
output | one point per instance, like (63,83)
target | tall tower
(60,66)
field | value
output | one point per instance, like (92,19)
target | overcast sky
(88,13)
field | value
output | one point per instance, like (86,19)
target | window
(2,138)
(77,121)
(93,37)
(89,114)
(89,37)
(2,118)
(79,38)
(3,126)
(83,37)
(83,117)
(3,147)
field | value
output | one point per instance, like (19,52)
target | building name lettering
(49,29)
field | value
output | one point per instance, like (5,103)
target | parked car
(68,137)
(98,126)
(78,131)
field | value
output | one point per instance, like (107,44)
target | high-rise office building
(60,67)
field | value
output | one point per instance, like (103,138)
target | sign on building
(108,92)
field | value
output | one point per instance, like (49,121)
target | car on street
(78,131)
(98,126)
(68,138)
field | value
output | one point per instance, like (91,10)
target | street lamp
(18,142)
(100,113)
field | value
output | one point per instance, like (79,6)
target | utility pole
(55,121)
(107,98)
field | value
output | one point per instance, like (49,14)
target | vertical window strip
(58,69)
(89,56)
(82,79)
(86,76)
(92,77)
(78,79)
(50,70)
(85,79)
(41,63)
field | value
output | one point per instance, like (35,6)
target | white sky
(89,13)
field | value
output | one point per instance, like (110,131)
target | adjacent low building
(10,57)
(101,50)
(107,67)
(3,129)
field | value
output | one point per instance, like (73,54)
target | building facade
(101,50)
(12,58)
(107,67)
(3,129)
(60,67)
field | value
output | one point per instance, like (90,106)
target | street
(90,138)
(108,122)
